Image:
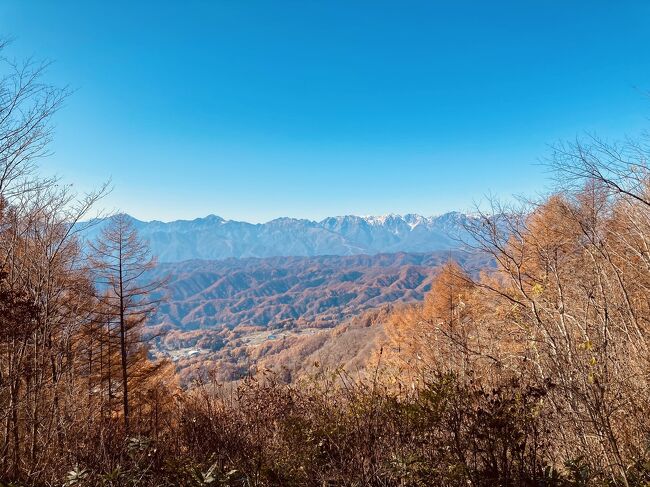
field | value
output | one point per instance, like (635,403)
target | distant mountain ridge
(310,291)
(214,238)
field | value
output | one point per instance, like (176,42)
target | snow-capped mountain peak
(214,237)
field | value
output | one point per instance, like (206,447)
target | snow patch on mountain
(213,237)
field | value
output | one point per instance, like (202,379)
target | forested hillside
(300,291)
(219,314)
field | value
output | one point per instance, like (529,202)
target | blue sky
(254,110)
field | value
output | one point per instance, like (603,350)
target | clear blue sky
(253,110)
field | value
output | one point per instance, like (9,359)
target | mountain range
(316,291)
(213,237)
(272,293)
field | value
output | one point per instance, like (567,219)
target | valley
(231,316)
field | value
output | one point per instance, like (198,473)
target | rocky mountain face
(213,237)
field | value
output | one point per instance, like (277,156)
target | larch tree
(120,261)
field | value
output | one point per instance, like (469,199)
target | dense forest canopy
(535,372)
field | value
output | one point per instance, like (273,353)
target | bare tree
(622,168)
(26,108)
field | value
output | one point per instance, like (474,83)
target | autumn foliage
(565,310)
